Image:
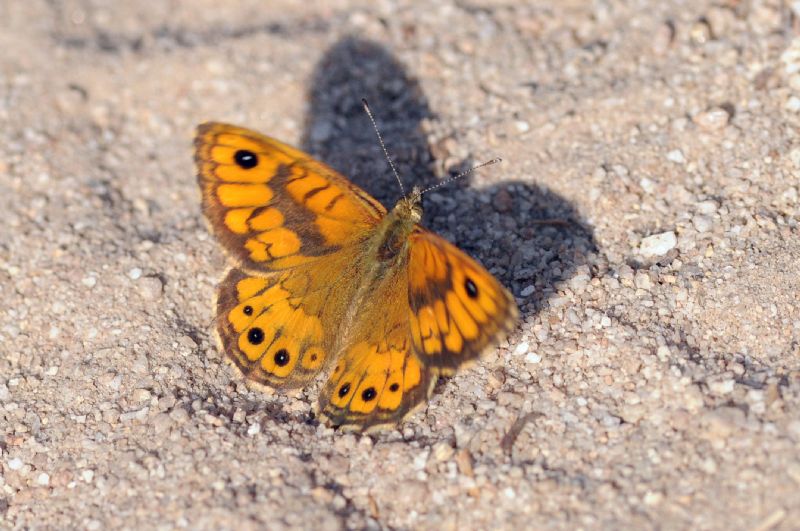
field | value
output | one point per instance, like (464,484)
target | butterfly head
(410,207)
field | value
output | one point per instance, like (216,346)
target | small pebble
(150,288)
(533,358)
(713,119)
(43,479)
(707,207)
(721,387)
(443,451)
(527,291)
(522,348)
(503,202)
(702,223)
(135,273)
(792,104)
(676,155)
(89,281)
(642,280)
(15,463)
(658,244)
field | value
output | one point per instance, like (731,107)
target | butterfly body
(327,281)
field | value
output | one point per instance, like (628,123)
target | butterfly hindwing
(272,206)
(378,379)
(282,329)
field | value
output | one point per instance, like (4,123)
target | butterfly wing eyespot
(272,206)
(457,309)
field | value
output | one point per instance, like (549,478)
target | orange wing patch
(272,206)
(456,307)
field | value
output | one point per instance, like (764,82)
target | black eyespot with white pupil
(281,357)
(368,394)
(255,336)
(343,390)
(471,288)
(247,310)
(245,159)
(394,387)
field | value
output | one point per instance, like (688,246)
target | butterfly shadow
(530,237)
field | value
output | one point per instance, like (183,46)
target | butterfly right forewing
(272,206)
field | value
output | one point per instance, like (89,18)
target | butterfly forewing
(456,308)
(272,206)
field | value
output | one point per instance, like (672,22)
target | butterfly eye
(368,394)
(471,288)
(255,336)
(281,358)
(245,159)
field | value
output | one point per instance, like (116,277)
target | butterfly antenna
(383,146)
(460,175)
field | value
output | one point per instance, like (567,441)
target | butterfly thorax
(398,225)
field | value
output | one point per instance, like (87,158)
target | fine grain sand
(645,216)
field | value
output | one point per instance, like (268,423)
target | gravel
(645,215)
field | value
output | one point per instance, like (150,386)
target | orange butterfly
(326,280)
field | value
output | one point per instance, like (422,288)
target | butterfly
(326,280)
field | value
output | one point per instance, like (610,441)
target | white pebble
(721,387)
(707,207)
(89,281)
(43,479)
(135,273)
(254,429)
(792,104)
(658,244)
(533,357)
(522,348)
(702,223)
(642,281)
(15,464)
(647,185)
(794,156)
(87,475)
(676,155)
(713,119)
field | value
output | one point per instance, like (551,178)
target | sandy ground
(654,381)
